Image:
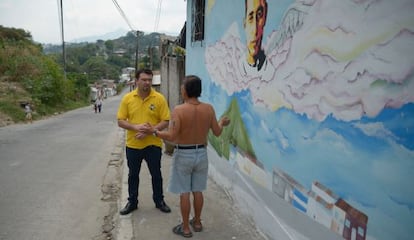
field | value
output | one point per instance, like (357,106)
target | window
(197,19)
(361,232)
(275,180)
(347,223)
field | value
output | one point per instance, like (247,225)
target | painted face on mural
(254,22)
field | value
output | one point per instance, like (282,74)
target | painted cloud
(357,59)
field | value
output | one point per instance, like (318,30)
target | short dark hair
(245,8)
(192,86)
(145,70)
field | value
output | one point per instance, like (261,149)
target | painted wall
(329,115)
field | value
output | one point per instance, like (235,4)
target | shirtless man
(189,125)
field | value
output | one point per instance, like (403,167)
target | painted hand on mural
(343,67)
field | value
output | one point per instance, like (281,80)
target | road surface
(52,173)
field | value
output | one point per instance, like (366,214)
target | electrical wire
(157,16)
(123,14)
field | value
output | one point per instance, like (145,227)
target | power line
(132,29)
(157,16)
(123,14)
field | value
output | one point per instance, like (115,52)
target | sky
(85,18)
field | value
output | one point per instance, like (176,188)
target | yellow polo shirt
(153,109)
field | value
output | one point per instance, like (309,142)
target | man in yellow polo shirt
(137,109)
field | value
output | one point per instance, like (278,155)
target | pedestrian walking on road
(28,111)
(98,105)
(139,109)
(188,129)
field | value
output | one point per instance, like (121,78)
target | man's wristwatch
(155,133)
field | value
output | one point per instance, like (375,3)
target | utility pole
(63,39)
(150,55)
(136,54)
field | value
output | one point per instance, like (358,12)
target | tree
(97,68)
(109,44)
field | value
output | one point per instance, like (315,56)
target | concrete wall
(172,73)
(324,142)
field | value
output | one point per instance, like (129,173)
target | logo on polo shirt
(152,107)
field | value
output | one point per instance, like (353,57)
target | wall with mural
(321,96)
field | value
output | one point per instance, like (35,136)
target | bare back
(192,122)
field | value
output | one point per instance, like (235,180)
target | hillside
(234,134)
(50,82)
(29,76)
(11,92)
(127,44)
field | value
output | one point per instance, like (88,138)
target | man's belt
(190,146)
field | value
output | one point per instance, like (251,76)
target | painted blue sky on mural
(381,166)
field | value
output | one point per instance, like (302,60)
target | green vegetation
(14,111)
(27,75)
(105,59)
(234,134)
(36,74)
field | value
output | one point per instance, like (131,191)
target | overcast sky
(83,18)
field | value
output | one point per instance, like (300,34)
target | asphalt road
(51,174)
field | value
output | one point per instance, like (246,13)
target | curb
(125,229)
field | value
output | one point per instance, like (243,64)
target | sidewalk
(221,219)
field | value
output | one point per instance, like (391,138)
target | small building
(290,190)
(355,222)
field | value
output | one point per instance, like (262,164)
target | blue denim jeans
(189,171)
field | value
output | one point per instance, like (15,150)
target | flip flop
(179,231)
(196,228)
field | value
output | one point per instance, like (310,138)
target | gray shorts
(189,171)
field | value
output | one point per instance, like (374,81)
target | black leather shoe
(129,207)
(163,207)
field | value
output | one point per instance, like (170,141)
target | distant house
(102,89)
(120,52)
(124,77)
(156,82)
(108,88)
(127,74)
(128,70)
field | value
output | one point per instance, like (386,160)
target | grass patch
(15,112)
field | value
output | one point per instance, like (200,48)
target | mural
(325,92)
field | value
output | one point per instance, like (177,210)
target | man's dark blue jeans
(152,155)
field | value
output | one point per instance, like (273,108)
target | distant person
(98,105)
(141,111)
(28,111)
(95,107)
(188,129)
